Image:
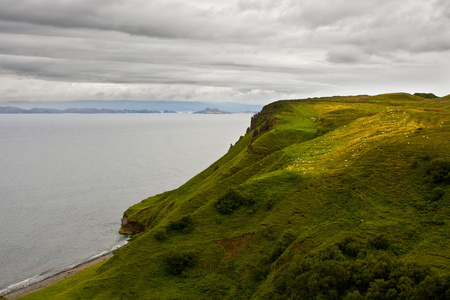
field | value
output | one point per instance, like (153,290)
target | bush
(434,287)
(375,277)
(350,246)
(176,263)
(329,253)
(355,295)
(185,224)
(259,273)
(352,249)
(439,171)
(380,242)
(436,194)
(231,201)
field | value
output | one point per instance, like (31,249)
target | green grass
(309,175)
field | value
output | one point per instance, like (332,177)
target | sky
(251,51)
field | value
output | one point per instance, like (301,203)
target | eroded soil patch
(233,246)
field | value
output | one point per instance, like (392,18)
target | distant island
(212,111)
(123,106)
(17,110)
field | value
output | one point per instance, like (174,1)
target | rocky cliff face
(130,227)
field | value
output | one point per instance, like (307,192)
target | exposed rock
(130,227)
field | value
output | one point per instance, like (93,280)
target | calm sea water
(65,180)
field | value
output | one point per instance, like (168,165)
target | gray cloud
(244,50)
(346,55)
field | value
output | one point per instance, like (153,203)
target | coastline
(57,277)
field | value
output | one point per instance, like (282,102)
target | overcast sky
(254,51)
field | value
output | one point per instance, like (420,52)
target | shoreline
(56,277)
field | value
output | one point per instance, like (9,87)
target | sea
(66,179)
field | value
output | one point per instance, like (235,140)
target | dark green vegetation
(231,201)
(426,95)
(329,198)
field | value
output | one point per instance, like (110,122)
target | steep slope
(326,197)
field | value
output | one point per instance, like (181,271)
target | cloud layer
(247,50)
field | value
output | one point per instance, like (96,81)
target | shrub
(380,242)
(352,249)
(231,201)
(355,295)
(436,194)
(350,246)
(329,253)
(376,277)
(185,224)
(439,171)
(434,287)
(176,263)
(259,273)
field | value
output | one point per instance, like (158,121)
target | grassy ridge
(315,192)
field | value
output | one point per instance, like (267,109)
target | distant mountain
(172,106)
(12,110)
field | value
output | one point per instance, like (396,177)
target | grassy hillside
(325,198)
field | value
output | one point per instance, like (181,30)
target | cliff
(339,197)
